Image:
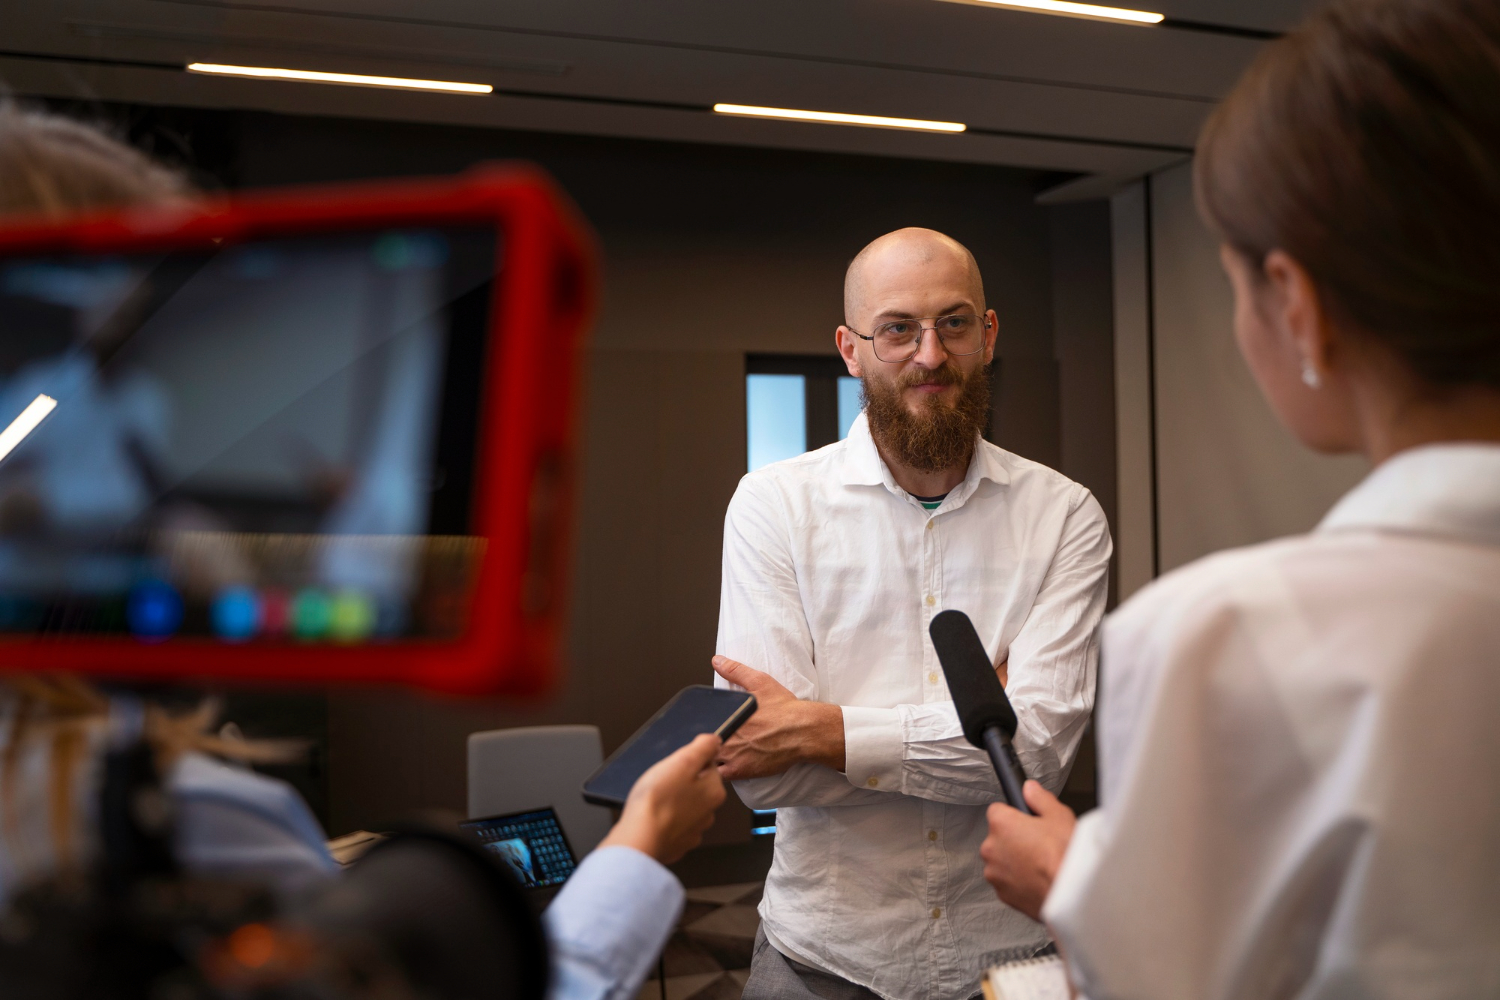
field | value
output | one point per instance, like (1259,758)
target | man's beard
(937,436)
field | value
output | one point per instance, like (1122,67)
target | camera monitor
(321,436)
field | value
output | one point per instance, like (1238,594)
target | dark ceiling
(1102,100)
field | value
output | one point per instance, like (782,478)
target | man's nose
(931,353)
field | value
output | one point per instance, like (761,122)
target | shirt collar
(1443,489)
(863,465)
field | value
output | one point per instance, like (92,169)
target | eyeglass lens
(898,340)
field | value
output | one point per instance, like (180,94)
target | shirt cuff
(1063,911)
(873,748)
(610,921)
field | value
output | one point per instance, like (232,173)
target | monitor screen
(271,441)
(531,844)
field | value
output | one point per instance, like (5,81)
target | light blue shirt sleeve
(234,823)
(609,924)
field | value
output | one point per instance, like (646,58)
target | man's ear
(991,334)
(846,343)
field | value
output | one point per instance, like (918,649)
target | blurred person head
(55,166)
(927,397)
(1353,178)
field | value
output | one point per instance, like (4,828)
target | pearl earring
(1310,377)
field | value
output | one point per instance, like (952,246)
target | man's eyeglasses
(901,339)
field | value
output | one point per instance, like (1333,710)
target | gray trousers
(773,976)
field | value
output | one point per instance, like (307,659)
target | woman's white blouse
(1300,760)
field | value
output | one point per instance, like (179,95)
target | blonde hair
(55,166)
(66,717)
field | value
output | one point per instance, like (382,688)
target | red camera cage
(527,442)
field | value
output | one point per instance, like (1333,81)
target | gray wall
(1226,472)
(709,253)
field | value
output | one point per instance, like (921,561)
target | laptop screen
(531,844)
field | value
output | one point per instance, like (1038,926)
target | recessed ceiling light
(1093,12)
(347,79)
(836,118)
(25,422)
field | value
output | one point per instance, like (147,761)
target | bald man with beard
(834,564)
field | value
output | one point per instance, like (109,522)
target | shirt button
(932,678)
(930,600)
(929,524)
(932,835)
(936,913)
(873,782)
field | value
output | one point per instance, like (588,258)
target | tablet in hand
(691,712)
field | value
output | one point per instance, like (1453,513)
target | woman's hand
(672,805)
(1022,853)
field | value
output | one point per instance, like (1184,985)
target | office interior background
(724,240)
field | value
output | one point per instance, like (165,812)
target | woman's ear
(1297,313)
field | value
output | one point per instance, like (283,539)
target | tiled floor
(708,957)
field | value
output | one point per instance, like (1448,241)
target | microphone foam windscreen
(976,690)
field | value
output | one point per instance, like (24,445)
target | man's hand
(1022,853)
(784,730)
(672,804)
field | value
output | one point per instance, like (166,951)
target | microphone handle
(1007,768)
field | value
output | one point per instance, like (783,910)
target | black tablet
(691,712)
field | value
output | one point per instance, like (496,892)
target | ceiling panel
(919,34)
(1037,91)
(1266,15)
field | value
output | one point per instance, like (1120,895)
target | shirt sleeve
(920,750)
(235,823)
(609,924)
(762,624)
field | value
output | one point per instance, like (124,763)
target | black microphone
(983,709)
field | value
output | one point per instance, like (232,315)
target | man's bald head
(901,257)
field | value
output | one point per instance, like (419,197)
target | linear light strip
(1082,10)
(36,411)
(346,79)
(834,117)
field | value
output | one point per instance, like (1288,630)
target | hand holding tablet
(695,710)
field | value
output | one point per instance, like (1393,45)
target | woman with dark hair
(1298,745)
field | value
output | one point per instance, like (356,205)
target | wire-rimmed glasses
(901,339)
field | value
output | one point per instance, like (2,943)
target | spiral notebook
(1029,979)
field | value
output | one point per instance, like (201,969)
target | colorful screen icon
(312,614)
(353,616)
(236,614)
(153,610)
(275,612)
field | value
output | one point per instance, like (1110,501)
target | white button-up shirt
(1300,760)
(831,575)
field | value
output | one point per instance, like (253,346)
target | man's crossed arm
(1021,854)
(785,730)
